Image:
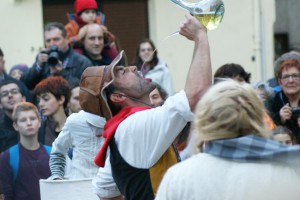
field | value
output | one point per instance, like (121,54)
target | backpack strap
(102,18)
(14,160)
(48,149)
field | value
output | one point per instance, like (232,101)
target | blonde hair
(24,106)
(228,110)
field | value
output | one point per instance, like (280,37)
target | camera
(53,55)
(296,111)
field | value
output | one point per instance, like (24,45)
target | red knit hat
(81,5)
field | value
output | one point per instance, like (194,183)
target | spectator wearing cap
(18,70)
(86,13)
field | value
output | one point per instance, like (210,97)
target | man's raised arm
(199,77)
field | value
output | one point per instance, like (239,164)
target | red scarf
(110,129)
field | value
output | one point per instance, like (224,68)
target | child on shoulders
(87,13)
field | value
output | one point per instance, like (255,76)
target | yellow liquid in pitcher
(209,20)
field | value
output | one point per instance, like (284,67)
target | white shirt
(143,137)
(82,132)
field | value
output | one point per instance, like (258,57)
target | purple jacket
(33,166)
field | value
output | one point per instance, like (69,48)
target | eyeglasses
(12,91)
(147,49)
(293,76)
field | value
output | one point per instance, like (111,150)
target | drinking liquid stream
(159,44)
(208,12)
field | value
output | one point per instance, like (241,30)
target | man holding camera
(57,59)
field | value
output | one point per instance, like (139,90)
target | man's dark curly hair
(232,70)
(1,53)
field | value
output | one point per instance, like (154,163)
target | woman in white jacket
(153,67)
(237,161)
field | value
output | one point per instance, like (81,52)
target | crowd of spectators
(81,100)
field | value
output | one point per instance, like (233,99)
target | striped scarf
(252,148)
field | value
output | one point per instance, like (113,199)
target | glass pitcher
(209,12)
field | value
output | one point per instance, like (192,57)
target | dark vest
(135,183)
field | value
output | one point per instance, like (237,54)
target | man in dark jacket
(63,60)
(10,95)
(5,77)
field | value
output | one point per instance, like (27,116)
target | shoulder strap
(14,160)
(102,18)
(48,149)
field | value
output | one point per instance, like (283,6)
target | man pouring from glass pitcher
(140,137)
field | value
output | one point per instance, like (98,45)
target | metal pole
(262,43)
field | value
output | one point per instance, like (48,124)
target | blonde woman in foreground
(236,161)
